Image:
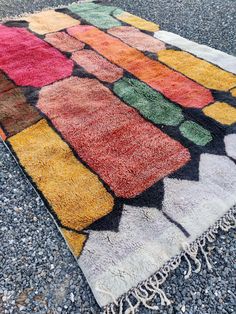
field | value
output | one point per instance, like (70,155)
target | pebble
(72,297)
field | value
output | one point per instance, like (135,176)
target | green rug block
(151,104)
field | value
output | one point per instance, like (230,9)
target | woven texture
(126,131)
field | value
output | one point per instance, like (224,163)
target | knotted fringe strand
(8,18)
(147,290)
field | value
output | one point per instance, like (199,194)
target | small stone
(72,297)
(4,298)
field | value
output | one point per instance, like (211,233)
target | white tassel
(189,272)
(175,263)
(131,309)
(157,289)
(112,309)
(198,265)
(206,257)
(210,238)
(147,296)
(141,290)
(151,307)
(121,306)
(107,310)
(149,288)
(108,293)
(192,252)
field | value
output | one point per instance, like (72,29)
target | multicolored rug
(128,134)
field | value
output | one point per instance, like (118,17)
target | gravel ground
(38,274)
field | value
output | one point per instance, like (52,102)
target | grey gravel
(16,7)
(38,274)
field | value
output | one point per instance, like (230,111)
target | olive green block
(98,15)
(151,104)
(195,133)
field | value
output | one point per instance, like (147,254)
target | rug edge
(148,289)
(29,182)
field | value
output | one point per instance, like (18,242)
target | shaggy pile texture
(128,134)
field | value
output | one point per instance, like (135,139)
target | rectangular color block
(220,58)
(136,21)
(55,21)
(127,152)
(93,63)
(75,194)
(172,84)
(198,70)
(15,113)
(221,112)
(30,61)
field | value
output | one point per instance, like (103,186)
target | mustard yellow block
(233,92)
(75,194)
(137,22)
(221,112)
(49,21)
(198,70)
(74,240)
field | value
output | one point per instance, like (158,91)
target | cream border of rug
(147,290)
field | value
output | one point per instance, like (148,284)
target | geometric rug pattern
(126,131)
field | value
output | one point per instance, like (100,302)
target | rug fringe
(147,290)
(8,18)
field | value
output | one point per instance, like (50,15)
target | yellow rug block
(233,92)
(74,240)
(198,70)
(221,112)
(49,21)
(137,22)
(75,194)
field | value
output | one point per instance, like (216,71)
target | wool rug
(127,132)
